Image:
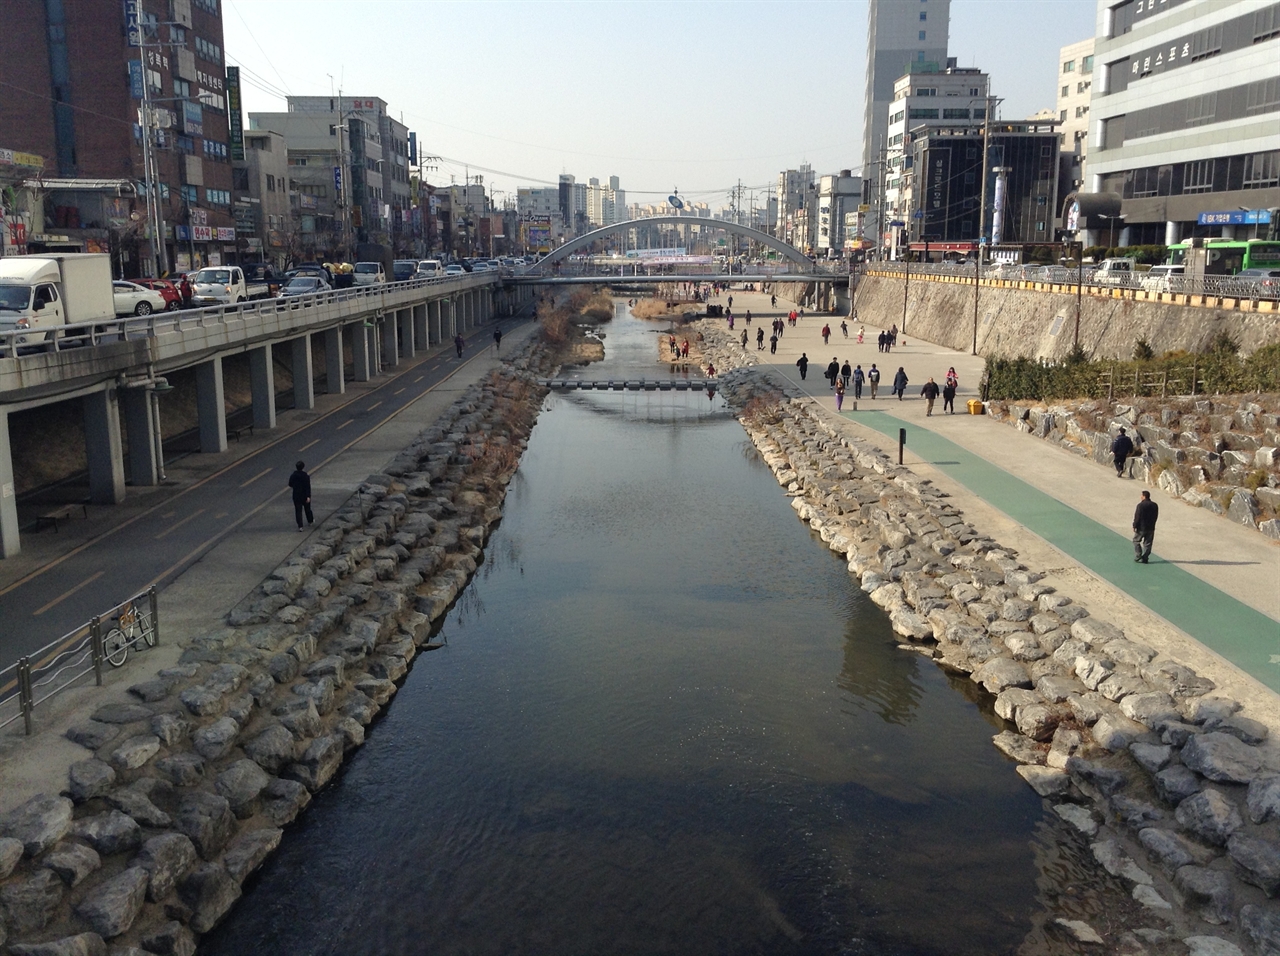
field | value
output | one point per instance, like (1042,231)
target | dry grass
(599,307)
(761,411)
(651,309)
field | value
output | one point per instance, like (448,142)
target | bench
(237,432)
(60,514)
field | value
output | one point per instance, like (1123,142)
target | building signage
(11,157)
(655,253)
(1149,8)
(337,183)
(192,119)
(1235,217)
(235,121)
(135,79)
(199,217)
(132,26)
(307,202)
(225,234)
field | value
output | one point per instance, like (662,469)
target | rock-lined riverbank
(1163,778)
(190,784)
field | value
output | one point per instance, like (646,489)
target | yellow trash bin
(975,407)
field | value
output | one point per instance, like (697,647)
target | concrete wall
(1016,322)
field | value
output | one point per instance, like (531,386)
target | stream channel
(666,721)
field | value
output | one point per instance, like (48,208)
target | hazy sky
(692,94)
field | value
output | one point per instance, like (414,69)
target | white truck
(225,285)
(40,294)
(1117,272)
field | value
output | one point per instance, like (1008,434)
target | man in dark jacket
(1121,449)
(1144,527)
(300,482)
(900,382)
(930,393)
(833,371)
(802,363)
(845,374)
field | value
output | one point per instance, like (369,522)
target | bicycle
(125,633)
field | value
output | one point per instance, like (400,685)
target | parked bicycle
(127,630)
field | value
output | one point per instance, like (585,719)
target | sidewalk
(1217,582)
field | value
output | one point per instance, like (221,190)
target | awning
(121,187)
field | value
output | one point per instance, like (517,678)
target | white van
(428,268)
(1117,272)
(370,273)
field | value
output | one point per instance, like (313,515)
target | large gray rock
(1095,632)
(111,907)
(167,858)
(89,778)
(1262,925)
(208,891)
(1244,728)
(303,723)
(1116,732)
(136,751)
(273,749)
(71,861)
(1211,890)
(1176,783)
(217,739)
(10,854)
(207,819)
(1038,721)
(1209,816)
(39,823)
(30,902)
(1222,757)
(1118,863)
(139,806)
(1046,781)
(241,783)
(1151,757)
(318,763)
(1203,709)
(283,800)
(170,939)
(1001,673)
(1093,670)
(247,851)
(92,734)
(1168,849)
(1257,861)
(123,713)
(1019,748)
(183,770)
(83,944)
(109,833)
(1263,800)
(1150,708)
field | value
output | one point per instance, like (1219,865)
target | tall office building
(902,36)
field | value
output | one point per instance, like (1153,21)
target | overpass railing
(107,638)
(1095,282)
(83,334)
(634,269)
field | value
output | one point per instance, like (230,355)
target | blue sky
(695,95)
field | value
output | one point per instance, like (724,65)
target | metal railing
(107,638)
(122,328)
(634,268)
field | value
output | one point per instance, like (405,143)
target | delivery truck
(40,294)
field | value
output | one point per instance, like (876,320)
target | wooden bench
(60,514)
(237,432)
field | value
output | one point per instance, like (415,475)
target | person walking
(949,395)
(844,328)
(803,364)
(744,338)
(459,343)
(839,394)
(900,382)
(300,483)
(773,344)
(862,331)
(1121,449)
(773,301)
(826,333)
(684,349)
(930,393)
(833,372)
(730,301)
(880,341)
(748,316)
(873,380)
(845,373)
(497,339)
(760,339)
(858,378)
(1144,527)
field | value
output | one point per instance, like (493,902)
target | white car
(133,299)
(453,269)
(369,273)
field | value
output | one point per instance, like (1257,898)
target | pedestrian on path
(497,339)
(826,333)
(1121,449)
(873,379)
(949,396)
(730,301)
(900,382)
(803,364)
(459,343)
(300,482)
(930,393)
(748,316)
(861,332)
(1144,527)
(711,370)
(773,344)
(760,339)
(833,372)
(839,394)
(684,349)
(880,340)
(744,338)
(858,378)
(844,328)
(845,373)
(773,301)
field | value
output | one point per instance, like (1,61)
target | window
(271,183)
(897,117)
(1068,66)
(1086,65)
(971,153)
(1262,95)
(1206,43)
(917,113)
(182,88)
(240,180)
(1081,111)
(1197,177)
(1046,151)
(1066,91)
(319,190)
(921,34)
(189,195)
(923,16)
(185,144)
(209,51)
(1040,226)
(974,91)
(297,160)
(1266,23)
(1201,109)
(955,114)
(218,197)
(1042,200)
(1082,86)
(1062,116)
(969,178)
(1262,170)
(177,34)
(927,91)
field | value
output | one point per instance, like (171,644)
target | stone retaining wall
(190,784)
(1163,778)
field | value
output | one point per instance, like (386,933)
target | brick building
(74,76)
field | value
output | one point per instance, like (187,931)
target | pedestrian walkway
(1218,582)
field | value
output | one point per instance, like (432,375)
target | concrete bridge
(116,368)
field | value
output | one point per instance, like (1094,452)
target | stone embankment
(1221,454)
(1165,780)
(189,785)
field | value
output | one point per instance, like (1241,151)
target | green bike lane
(1242,635)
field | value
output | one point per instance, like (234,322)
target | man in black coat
(1121,449)
(833,371)
(802,364)
(1144,527)
(300,482)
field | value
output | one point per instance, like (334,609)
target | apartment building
(1075,92)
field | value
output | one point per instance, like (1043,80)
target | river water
(666,721)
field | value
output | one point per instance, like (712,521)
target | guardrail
(133,624)
(82,334)
(1212,287)
(637,268)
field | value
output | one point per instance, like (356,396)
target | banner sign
(1236,217)
(132,28)
(655,253)
(234,120)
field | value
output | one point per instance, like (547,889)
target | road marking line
(419,379)
(344,424)
(174,527)
(246,484)
(375,405)
(168,514)
(220,515)
(308,445)
(66,594)
(399,390)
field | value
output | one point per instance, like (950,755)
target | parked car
(370,273)
(133,299)
(1257,283)
(303,285)
(404,269)
(1159,279)
(454,269)
(172,297)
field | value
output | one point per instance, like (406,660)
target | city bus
(1228,256)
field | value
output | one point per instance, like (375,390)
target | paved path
(1218,582)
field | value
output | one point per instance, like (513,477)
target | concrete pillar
(9,541)
(1124,236)
(433,322)
(360,350)
(304,389)
(140,426)
(421,340)
(468,316)
(334,366)
(1170,232)
(451,317)
(262,387)
(104,448)
(389,329)
(211,407)
(404,320)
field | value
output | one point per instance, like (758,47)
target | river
(666,721)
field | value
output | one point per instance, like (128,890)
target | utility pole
(148,123)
